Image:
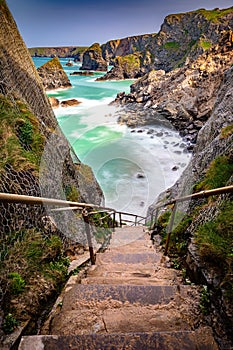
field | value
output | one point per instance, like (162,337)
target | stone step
(182,340)
(128,258)
(135,279)
(143,295)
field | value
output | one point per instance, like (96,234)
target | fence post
(169,228)
(88,233)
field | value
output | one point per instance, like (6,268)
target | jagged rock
(54,102)
(53,75)
(70,103)
(93,60)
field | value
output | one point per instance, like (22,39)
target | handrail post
(169,228)
(88,233)
(136,219)
(113,221)
(154,217)
(120,219)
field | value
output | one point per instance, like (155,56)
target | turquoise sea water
(131,167)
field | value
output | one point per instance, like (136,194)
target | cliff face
(35,159)
(126,46)
(185,96)
(53,75)
(181,37)
(69,51)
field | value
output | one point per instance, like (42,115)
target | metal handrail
(173,202)
(69,205)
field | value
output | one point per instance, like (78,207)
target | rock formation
(93,60)
(53,75)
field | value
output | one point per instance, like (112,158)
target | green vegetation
(129,62)
(9,324)
(205,44)
(71,193)
(171,45)
(216,14)
(95,47)
(205,300)
(21,142)
(53,64)
(217,175)
(214,238)
(40,268)
(227,131)
(17,283)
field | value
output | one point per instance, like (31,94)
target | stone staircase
(130,299)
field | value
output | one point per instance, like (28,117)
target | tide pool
(131,166)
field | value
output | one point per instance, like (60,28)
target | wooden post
(136,219)
(88,233)
(169,228)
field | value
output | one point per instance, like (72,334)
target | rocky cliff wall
(36,159)
(202,235)
(185,96)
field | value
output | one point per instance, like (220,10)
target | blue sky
(81,23)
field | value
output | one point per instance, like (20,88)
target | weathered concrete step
(133,341)
(140,280)
(144,295)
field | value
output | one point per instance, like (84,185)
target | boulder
(54,102)
(70,103)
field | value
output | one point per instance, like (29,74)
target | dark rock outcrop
(93,60)
(53,75)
